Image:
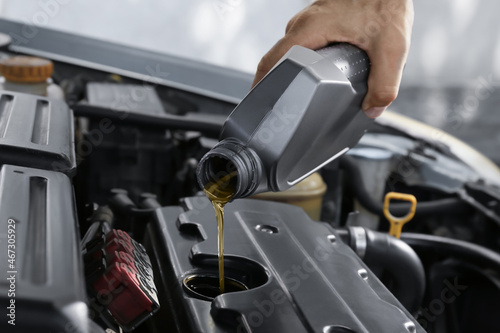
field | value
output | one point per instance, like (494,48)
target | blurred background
(451,80)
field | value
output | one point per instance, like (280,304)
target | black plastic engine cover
(41,276)
(301,276)
(36,132)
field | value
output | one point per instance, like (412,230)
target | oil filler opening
(206,286)
(240,274)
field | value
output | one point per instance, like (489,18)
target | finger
(385,77)
(271,58)
(304,38)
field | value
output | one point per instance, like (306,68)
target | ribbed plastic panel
(41,278)
(36,132)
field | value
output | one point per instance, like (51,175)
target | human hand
(382,28)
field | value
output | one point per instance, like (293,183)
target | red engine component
(120,278)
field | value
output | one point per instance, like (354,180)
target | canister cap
(24,69)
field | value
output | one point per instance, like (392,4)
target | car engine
(103,227)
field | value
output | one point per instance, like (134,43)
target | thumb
(383,81)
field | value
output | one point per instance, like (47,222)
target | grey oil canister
(305,113)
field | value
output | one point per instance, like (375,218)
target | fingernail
(374,112)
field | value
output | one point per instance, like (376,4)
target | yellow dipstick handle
(398,222)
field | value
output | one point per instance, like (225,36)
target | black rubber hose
(121,202)
(400,261)
(462,250)
(424,208)
(149,201)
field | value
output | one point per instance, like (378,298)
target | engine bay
(112,233)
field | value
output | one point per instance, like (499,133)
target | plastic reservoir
(307,194)
(29,75)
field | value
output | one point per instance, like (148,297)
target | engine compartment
(115,164)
